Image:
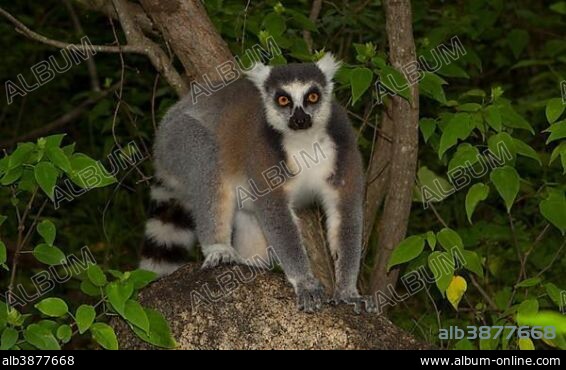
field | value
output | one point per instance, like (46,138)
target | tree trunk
(186,27)
(405,120)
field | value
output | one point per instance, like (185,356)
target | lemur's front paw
(220,254)
(352,297)
(310,295)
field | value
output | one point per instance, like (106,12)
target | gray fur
(191,158)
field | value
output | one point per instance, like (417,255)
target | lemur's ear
(258,74)
(328,65)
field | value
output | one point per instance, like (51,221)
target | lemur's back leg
(198,182)
(169,232)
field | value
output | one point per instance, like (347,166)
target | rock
(237,307)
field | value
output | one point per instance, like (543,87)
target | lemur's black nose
(300,120)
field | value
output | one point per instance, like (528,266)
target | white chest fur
(312,160)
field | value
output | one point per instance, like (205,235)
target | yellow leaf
(456,290)
(526,344)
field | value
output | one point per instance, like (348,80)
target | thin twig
(91,66)
(483,293)
(23,29)
(21,227)
(61,121)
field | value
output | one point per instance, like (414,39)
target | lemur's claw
(353,298)
(226,255)
(310,295)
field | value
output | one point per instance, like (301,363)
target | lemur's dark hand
(310,295)
(352,297)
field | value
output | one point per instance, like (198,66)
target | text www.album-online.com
(503,360)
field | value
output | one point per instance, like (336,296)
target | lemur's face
(296,96)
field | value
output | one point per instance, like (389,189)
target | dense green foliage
(489,215)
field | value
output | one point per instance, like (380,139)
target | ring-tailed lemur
(210,153)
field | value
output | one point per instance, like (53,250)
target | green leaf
(506,181)
(2,253)
(104,335)
(431,86)
(432,183)
(518,40)
(466,156)
(557,131)
(431,239)
(54,141)
(58,157)
(88,173)
(90,289)
(274,24)
(559,7)
(140,278)
(407,250)
(9,338)
(526,344)
(85,317)
(159,332)
(303,21)
(449,239)
(493,117)
(360,80)
(501,145)
(2,219)
(560,150)
(427,126)
(525,150)
(452,70)
(136,315)
(96,275)
(476,194)
(46,176)
(64,333)
(459,127)
(47,231)
(469,107)
(511,118)
(392,79)
(555,295)
(12,176)
(464,344)
(528,308)
(54,307)
(442,266)
(472,262)
(41,337)
(20,155)
(529,282)
(554,109)
(118,293)
(50,255)
(553,208)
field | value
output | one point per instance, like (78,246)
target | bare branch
(61,121)
(156,55)
(106,7)
(22,28)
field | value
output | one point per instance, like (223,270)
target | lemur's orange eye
(283,101)
(313,97)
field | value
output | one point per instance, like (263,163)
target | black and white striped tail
(169,233)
